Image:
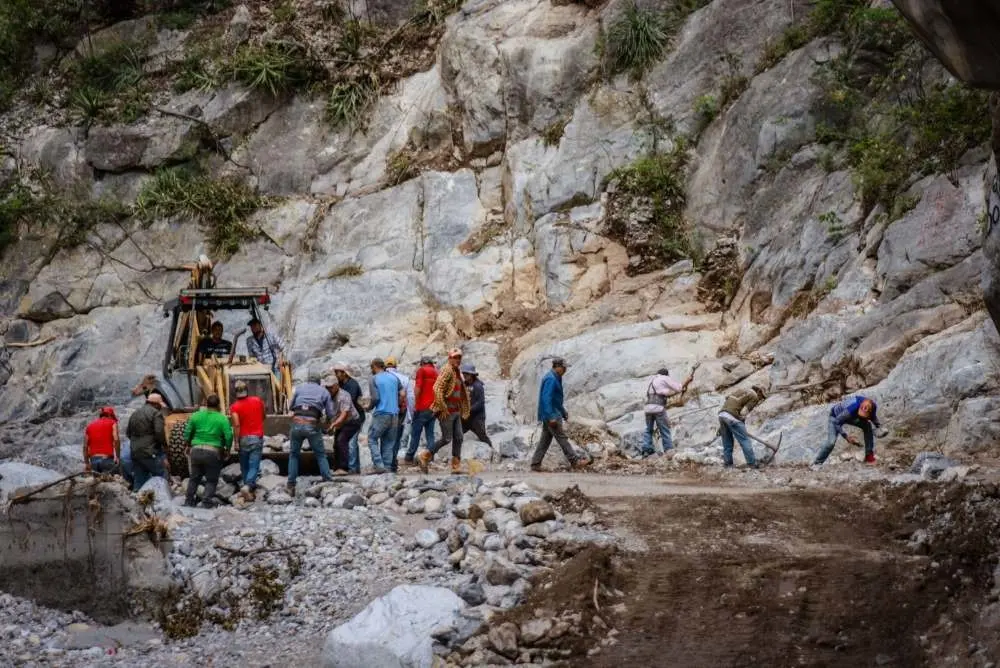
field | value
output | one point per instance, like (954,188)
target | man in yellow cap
(451,405)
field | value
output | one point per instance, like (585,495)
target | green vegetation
(835,230)
(349,99)
(877,113)
(825,18)
(276,67)
(109,86)
(34,206)
(636,40)
(284,12)
(221,205)
(646,207)
(434,12)
(400,166)
(706,108)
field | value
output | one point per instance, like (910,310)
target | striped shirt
(266,349)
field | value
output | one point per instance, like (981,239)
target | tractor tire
(176,455)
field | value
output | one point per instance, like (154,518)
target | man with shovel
(731,424)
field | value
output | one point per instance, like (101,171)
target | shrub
(434,12)
(276,67)
(636,40)
(221,205)
(552,134)
(349,99)
(706,108)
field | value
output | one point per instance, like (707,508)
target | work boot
(537,468)
(581,464)
(424,459)
(456,465)
(408,461)
(870,459)
(290,489)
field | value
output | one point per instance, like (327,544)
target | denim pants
(313,434)
(659,421)
(353,455)
(552,430)
(204,463)
(732,428)
(346,434)
(382,441)
(831,437)
(251,450)
(422,421)
(103,465)
(144,468)
(451,431)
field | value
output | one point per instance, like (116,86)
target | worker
(476,423)
(387,397)
(552,413)
(266,347)
(352,387)
(101,443)
(858,411)
(248,414)
(215,345)
(450,406)
(731,424)
(310,404)
(345,424)
(661,388)
(405,411)
(147,436)
(423,416)
(208,435)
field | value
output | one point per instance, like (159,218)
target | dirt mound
(573,501)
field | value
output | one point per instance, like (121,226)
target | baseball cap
(108,411)
(331,381)
(241,388)
(390,361)
(454,352)
(156,398)
(341,366)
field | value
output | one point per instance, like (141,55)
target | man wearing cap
(310,403)
(406,411)
(248,412)
(732,425)
(476,422)
(451,406)
(551,414)
(387,396)
(353,388)
(267,347)
(147,437)
(101,443)
(208,435)
(661,388)
(345,425)
(423,416)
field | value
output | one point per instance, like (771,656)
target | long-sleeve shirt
(550,398)
(847,411)
(404,380)
(739,403)
(209,428)
(449,383)
(146,432)
(424,387)
(313,396)
(661,386)
(477,399)
(266,349)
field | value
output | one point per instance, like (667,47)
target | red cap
(108,411)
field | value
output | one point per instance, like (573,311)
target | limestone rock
(427,538)
(394,630)
(537,511)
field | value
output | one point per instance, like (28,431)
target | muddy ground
(870,575)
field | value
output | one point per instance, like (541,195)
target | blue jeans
(353,456)
(251,451)
(103,465)
(311,433)
(144,468)
(831,437)
(658,420)
(422,421)
(731,428)
(382,441)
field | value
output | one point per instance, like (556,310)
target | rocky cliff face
(480,201)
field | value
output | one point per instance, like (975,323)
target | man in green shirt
(209,436)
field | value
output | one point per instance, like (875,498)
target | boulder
(537,511)
(501,571)
(232,473)
(503,639)
(349,501)
(162,499)
(279,497)
(534,630)
(393,631)
(427,538)
(160,141)
(14,475)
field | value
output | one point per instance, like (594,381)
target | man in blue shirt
(387,397)
(310,403)
(551,414)
(857,411)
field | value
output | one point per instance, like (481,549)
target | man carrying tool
(858,411)
(660,389)
(731,424)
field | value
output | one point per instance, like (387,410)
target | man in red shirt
(101,443)
(248,413)
(423,416)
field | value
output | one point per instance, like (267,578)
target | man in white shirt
(661,388)
(391,365)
